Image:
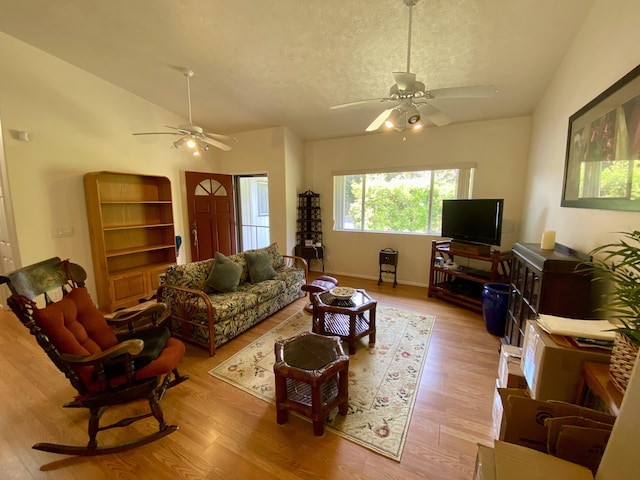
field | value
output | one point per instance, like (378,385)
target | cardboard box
(514,462)
(485,464)
(504,394)
(577,439)
(552,371)
(523,418)
(510,373)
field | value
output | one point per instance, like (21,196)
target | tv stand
(464,285)
(457,246)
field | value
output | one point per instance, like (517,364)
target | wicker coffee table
(311,374)
(349,319)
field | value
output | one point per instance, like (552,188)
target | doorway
(8,239)
(227,213)
(252,194)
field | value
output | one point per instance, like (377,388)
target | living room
(80,123)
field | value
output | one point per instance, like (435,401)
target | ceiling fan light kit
(413,116)
(412,98)
(401,118)
(393,119)
(194,138)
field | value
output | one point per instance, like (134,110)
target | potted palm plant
(618,264)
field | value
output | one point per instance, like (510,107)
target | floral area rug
(383,380)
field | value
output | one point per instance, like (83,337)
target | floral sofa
(209,317)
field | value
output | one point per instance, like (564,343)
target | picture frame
(602,163)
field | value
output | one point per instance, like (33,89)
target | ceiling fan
(194,137)
(411,98)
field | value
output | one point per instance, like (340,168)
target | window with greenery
(401,202)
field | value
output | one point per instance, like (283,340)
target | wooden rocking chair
(136,359)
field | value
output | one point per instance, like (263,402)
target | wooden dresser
(546,281)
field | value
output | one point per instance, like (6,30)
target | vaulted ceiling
(263,63)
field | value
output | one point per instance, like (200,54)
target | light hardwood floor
(230,434)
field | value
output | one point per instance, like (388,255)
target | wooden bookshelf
(132,235)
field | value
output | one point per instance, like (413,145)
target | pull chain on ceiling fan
(194,138)
(412,99)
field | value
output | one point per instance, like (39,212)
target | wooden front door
(212,219)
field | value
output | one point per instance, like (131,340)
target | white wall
(619,461)
(605,49)
(294,184)
(79,123)
(499,147)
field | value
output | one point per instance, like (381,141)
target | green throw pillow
(225,274)
(260,268)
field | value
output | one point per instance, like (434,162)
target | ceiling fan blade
(181,130)
(475,91)
(405,80)
(360,102)
(216,144)
(157,133)
(377,123)
(217,136)
(435,116)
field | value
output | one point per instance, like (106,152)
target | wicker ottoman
(320,284)
(311,378)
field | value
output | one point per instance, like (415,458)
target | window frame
(464,189)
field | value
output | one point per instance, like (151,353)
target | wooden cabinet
(132,235)
(463,284)
(546,281)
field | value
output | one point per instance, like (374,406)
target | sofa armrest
(182,308)
(130,321)
(297,262)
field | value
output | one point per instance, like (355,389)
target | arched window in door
(210,187)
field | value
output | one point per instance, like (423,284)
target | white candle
(548,240)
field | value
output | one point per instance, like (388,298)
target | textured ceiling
(263,63)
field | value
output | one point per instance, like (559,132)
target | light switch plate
(62,232)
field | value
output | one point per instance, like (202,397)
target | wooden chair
(108,361)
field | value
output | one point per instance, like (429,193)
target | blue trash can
(495,301)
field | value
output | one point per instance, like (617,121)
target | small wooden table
(596,390)
(389,257)
(311,374)
(312,252)
(349,319)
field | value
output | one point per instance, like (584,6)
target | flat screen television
(473,220)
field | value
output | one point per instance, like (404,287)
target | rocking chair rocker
(109,361)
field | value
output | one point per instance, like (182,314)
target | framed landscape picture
(602,165)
